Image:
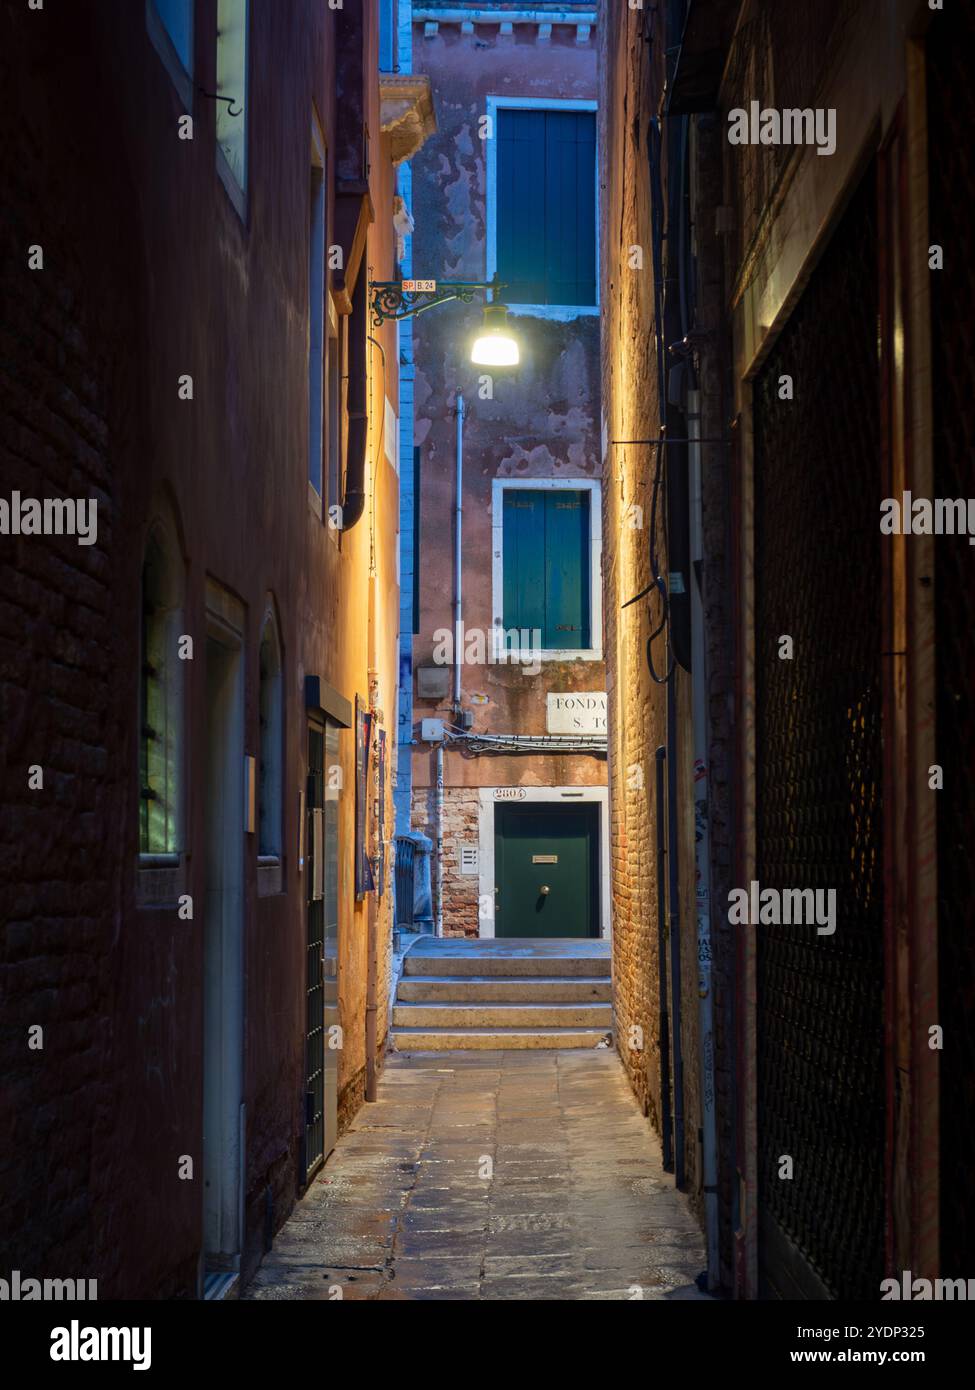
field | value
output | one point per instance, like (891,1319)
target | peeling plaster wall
(544,418)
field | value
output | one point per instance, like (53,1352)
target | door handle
(544,889)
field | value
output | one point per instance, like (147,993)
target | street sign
(419,286)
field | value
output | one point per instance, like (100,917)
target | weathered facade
(529,439)
(818,681)
(186,907)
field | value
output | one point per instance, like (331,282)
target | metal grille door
(951,113)
(818,740)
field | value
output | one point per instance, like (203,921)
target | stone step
(486,1039)
(505,963)
(519,1016)
(514,989)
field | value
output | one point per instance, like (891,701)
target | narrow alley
(487,671)
(491,1175)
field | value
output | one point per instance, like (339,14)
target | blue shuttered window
(547,206)
(546,566)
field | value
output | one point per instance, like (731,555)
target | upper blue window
(546,215)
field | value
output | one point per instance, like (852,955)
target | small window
(316,319)
(176,17)
(232,16)
(546,206)
(160,712)
(546,559)
(270,796)
(336,409)
(388,23)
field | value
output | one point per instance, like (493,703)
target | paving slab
(574,1204)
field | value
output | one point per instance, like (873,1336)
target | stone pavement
(493,1175)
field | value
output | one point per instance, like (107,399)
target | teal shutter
(546,226)
(546,566)
(524,559)
(570,194)
(566,570)
(521,205)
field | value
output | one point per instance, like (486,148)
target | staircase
(502,994)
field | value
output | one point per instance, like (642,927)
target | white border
(485,843)
(561,313)
(582,484)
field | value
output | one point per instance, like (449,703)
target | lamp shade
(494,346)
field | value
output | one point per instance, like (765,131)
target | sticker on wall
(477,697)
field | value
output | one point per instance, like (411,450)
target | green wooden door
(546,866)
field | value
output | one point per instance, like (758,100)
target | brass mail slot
(545,858)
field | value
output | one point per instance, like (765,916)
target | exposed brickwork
(460,827)
(137,232)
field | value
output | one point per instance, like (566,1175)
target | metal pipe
(458,537)
(673,876)
(702,823)
(439,918)
(666,1123)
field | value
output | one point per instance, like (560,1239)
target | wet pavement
(493,1175)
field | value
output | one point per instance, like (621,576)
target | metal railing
(405,890)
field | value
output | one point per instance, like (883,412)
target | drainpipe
(673,876)
(666,1129)
(372,907)
(703,846)
(440,839)
(458,535)
(354,500)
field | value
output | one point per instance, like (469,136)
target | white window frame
(236,191)
(560,313)
(180,76)
(499,486)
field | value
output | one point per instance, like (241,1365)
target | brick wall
(460,827)
(631,77)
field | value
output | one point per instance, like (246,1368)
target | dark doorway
(223,943)
(546,868)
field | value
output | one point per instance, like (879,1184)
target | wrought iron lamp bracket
(398,299)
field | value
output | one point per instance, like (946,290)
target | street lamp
(495,347)
(403,299)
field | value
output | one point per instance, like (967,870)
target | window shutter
(521,205)
(546,227)
(566,570)
(524,560)
(570,197)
